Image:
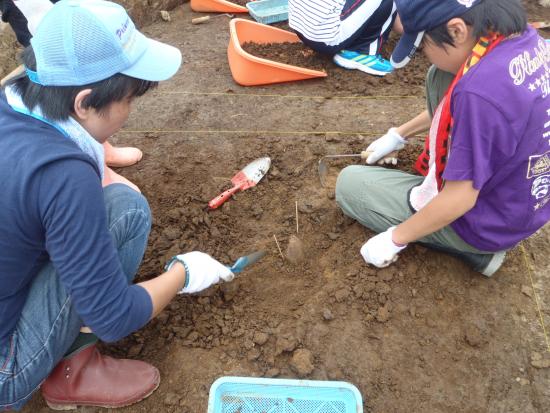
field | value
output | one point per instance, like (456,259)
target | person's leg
(370,35)
(13,16)
(437,83)
(378,199)
(375,197)
(129,220)
(49,324)
(110,177)
(365,25)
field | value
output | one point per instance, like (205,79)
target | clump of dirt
(295,250)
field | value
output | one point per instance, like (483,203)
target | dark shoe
(90,379)
(486,264)
(496,261)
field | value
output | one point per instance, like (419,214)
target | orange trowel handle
(220,199)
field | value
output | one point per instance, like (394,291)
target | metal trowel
(323,167)
(245,261)
(248,177)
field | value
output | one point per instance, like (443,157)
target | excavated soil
(409,80)
(240,2)
(424,335)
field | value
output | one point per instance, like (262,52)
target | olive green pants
(378,198)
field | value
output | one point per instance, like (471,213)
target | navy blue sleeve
(83,252)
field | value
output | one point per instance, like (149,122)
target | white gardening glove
(390,142)
(201,271)
(34,11)
(380,250)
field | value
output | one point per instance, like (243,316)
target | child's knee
(345,181)
(351,181)
(121,200)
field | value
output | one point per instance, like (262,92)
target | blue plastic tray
(268,11)
(257,395)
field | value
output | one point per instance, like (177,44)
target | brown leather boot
(90,379)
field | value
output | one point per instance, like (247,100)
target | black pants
(370,33)
(13,16)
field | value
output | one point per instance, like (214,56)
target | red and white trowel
(248,177)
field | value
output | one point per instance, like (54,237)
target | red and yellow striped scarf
(444,128)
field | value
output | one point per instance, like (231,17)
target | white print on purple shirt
(540,187)
(525,65)
(538,165)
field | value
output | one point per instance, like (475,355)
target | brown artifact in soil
(295,250)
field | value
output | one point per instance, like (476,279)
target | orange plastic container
(220,6)
(249,70)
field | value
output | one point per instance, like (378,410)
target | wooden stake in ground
(297,217)
(295,247)
(278,247)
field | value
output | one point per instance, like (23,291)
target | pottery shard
(295,250)
(302,362)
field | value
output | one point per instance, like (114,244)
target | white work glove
(380,250)
(201,271)
(390,142)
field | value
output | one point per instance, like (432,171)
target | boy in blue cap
(353,31)
(24,16)
(486,163)
(69,248)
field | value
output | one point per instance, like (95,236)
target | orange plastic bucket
(249,70)
(221,6)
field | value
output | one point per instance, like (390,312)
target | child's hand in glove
(380,250)
(385,145)
(201,271)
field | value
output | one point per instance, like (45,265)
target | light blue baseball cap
(79,42)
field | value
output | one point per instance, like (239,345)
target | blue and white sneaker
(374,65)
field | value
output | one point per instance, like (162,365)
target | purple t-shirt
(501,142)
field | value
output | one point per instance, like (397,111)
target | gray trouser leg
(378,199)
(437,83)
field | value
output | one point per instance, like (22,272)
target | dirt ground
(425,335)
